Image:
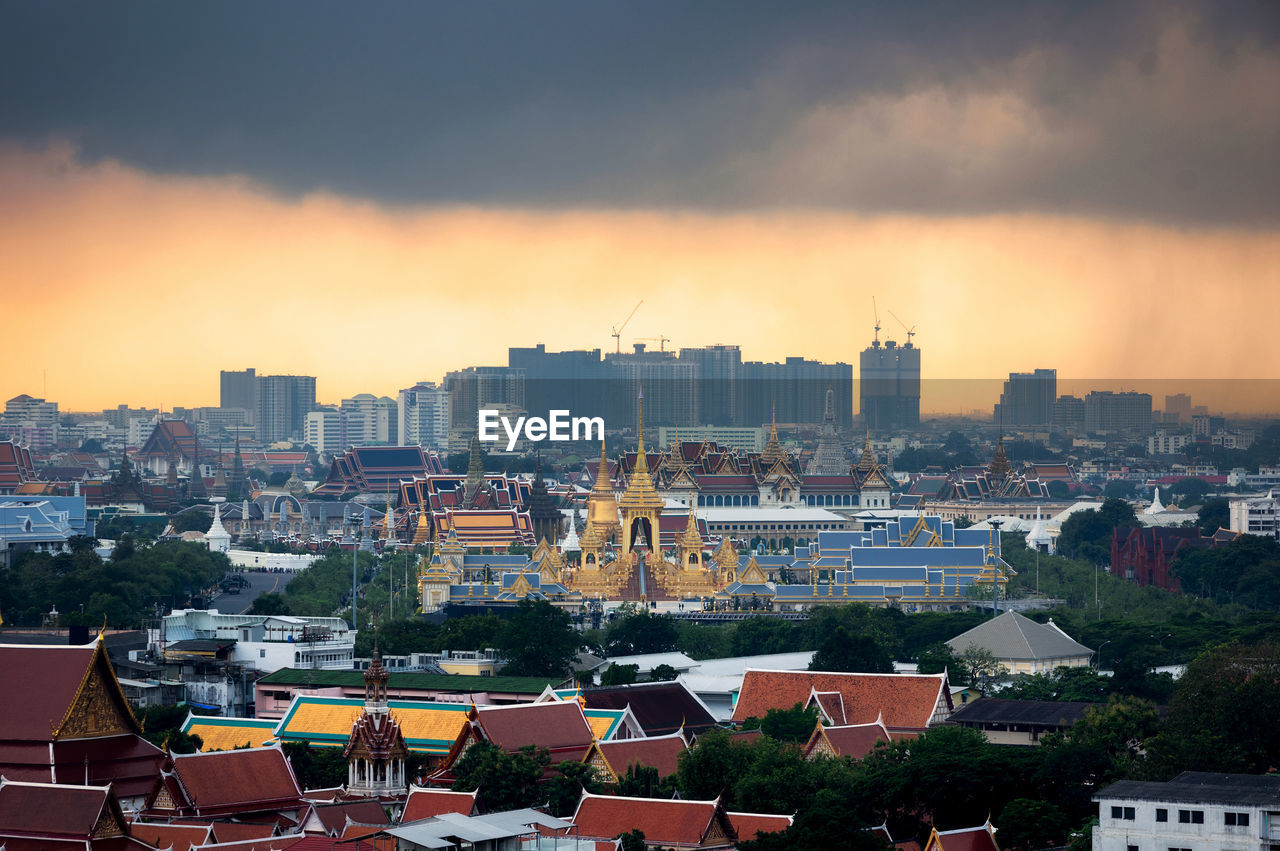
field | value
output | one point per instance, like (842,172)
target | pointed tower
(602,506)
(773,449)
(828,458)
(195,484)
(474,485)
(219,476)
(218,539)
(389,523)
(237,487)
(376,753)
(543,514)
(689,545)
(640,505)
(999,469)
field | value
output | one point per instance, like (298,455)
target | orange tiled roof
(900,700)
(660,752)
(662,821)
(428,803)
(749,825)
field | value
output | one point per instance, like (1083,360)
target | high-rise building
(281,406)
(1177,408)
(889,386)
(479,387)
(795,391)
(1028,398)
(666,382)
(30,422)
(717,376)
(1105,411)
(1068,415)
(572,381)
(424,416)
(239,390)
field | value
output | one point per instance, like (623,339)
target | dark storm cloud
(1163,112)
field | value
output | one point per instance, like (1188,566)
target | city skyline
(1072,185)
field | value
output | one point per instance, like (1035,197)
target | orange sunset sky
(1109,212)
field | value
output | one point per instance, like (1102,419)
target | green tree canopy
(506,781)
(538,641)
(852,653)
(641,632)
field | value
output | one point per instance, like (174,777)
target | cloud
(1160,112)
(127,286)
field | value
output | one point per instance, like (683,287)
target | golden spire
(642,464)
(868,461)
(602,475)
(640,493)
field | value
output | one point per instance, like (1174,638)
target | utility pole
(995,571)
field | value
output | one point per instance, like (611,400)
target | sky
(378,193)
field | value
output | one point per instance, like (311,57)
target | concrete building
(1258,515)
(31,422)
(1164,443)
(1106,412)
(889,386)
(1028,398)
(1023,646)
(1195,810)
(281,405)
(423,411)
(742,438)
(239,390)
(262,642)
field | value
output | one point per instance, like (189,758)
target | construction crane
(911,332)
(617,329)
(661,340)
(876,313)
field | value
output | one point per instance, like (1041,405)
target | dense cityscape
(292,560)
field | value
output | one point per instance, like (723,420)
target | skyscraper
(1028,398)
(239,390)
(1105,411)
(889,386)
(282,403)
(424,416)
(717,375)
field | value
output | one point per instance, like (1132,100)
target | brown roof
(966,839)
(60,671)
(900,700)
(659,708)
(179,837)
(334,817)
(274,843)
(855,740)
(45,809)
(559,726)
(661,821)
(429,803)
(249,780)
(660,752)
(748,825)
(227,831)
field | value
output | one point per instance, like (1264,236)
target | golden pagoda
(602,506)
(640,505)
(1000,468)
(773,450)
(867,462)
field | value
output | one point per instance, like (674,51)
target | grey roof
(1033,713)
(444,831)
(1200,787)
(1014,636)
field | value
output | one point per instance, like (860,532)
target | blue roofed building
(40,524)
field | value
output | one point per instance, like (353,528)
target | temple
(376,753)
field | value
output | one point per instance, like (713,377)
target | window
(1129,814)
(1236,819)
(262,652)
(1162,814)
(1132,848)
(1190,816)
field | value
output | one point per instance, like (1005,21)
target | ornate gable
(110,821)
(99,707)
(752,574)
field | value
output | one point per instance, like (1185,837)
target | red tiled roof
(856,740)
(179,837)
(428,803)
(661,821)
(59,671)
(966,839)
(273,843)
(559,726)
(225,831)
(748,825)
(237,781)
(334,817)
(660,752)
(900,700)
(45,809)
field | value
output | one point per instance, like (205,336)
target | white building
(746,439)
(1164,443)
(1256,515)
(31,422)
(323,431)
(266,642)
(1195,811)
(424,416)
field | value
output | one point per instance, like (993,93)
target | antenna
(875,343)
(617,329)
(911,332)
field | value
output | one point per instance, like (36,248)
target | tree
(789,725)
(641,632)
(981,667)
(1087,534)
(538,641)
(642,781)
(852,653)
(938,658)
(824,823)
(1223,713)
(710,768)
(1119,489)
(1059,490)
(565,789)
(507,781)
(664,673)
(1027,824)
(1190,490)
(619,675)
(1214,514)
(632,840)
(270,604)
(316,768)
